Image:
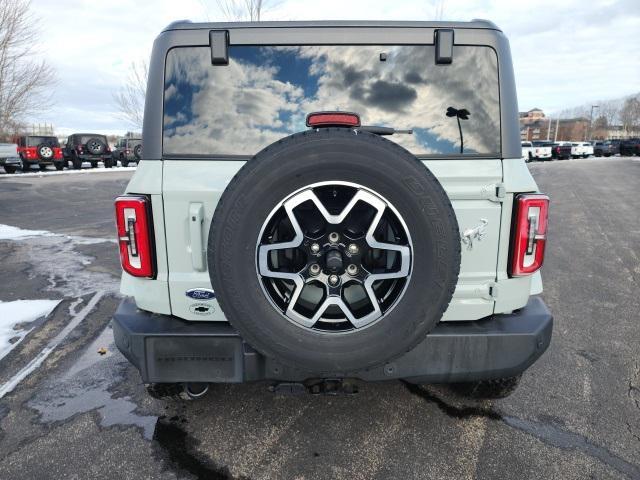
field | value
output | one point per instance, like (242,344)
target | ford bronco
(322,203)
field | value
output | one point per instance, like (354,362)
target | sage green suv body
(422,99)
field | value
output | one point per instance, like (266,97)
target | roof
(189,25)
(535,110)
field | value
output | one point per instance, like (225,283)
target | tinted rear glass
(37,140)
(265,93)
(81,139)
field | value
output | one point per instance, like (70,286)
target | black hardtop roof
(83,134)
(479,24)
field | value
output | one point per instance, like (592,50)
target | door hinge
(491,292)
(497,192)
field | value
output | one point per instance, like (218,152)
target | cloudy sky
(565,52)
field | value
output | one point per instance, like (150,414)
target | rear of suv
(41,150)
(321,202)
(128,150)
(88,147)
(605,148)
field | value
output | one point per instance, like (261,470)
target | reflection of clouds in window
(266,92)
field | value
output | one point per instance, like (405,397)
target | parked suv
(293,218)
(41,150)
(605,148)
(88,147)
(630,147)
(128,150)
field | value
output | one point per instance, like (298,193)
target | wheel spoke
(330,258)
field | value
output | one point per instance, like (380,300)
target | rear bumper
(40,161)
(166,349)
(10,161)
(94,158)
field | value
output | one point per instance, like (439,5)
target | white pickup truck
(535,151)
(9,158)
(581,149)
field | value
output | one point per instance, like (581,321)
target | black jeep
(88,147)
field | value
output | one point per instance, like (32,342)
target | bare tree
(130,98)
(630,113)
(242,9)
(24,79)
(609,110)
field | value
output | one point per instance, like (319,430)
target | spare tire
(45,152)
(333,251)
(137,151)
(95,146)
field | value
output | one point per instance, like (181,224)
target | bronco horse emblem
(474,233)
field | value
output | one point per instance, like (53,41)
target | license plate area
(194,359)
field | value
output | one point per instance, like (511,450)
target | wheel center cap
(333,261)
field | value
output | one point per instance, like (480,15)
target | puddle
(86,386)
(180,449)
(546,432)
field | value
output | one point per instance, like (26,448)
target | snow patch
(13,316)
(8,232)
(68,172)
(77,317)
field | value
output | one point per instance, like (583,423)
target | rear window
(82,139)
(266,92)
(37,140)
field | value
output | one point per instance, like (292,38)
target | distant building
(534,125)
(532,116)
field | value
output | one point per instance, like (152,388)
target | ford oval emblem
(200,294)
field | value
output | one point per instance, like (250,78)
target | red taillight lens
(133,221)
(333,119)
(530,234)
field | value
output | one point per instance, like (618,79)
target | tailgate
(193,188)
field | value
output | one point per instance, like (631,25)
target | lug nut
(353,249)
(333,280)
(314,269)
(352,269)
(334,237)
(315,248)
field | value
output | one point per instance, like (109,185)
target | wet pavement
(77,409)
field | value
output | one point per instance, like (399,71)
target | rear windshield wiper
(382,130)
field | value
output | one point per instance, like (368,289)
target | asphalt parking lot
(69,411)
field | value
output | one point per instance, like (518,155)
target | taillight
(530,234)
(133,220)
(557,149)
(79,148)
(333,119)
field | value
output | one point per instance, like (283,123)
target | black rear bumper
(166,349)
